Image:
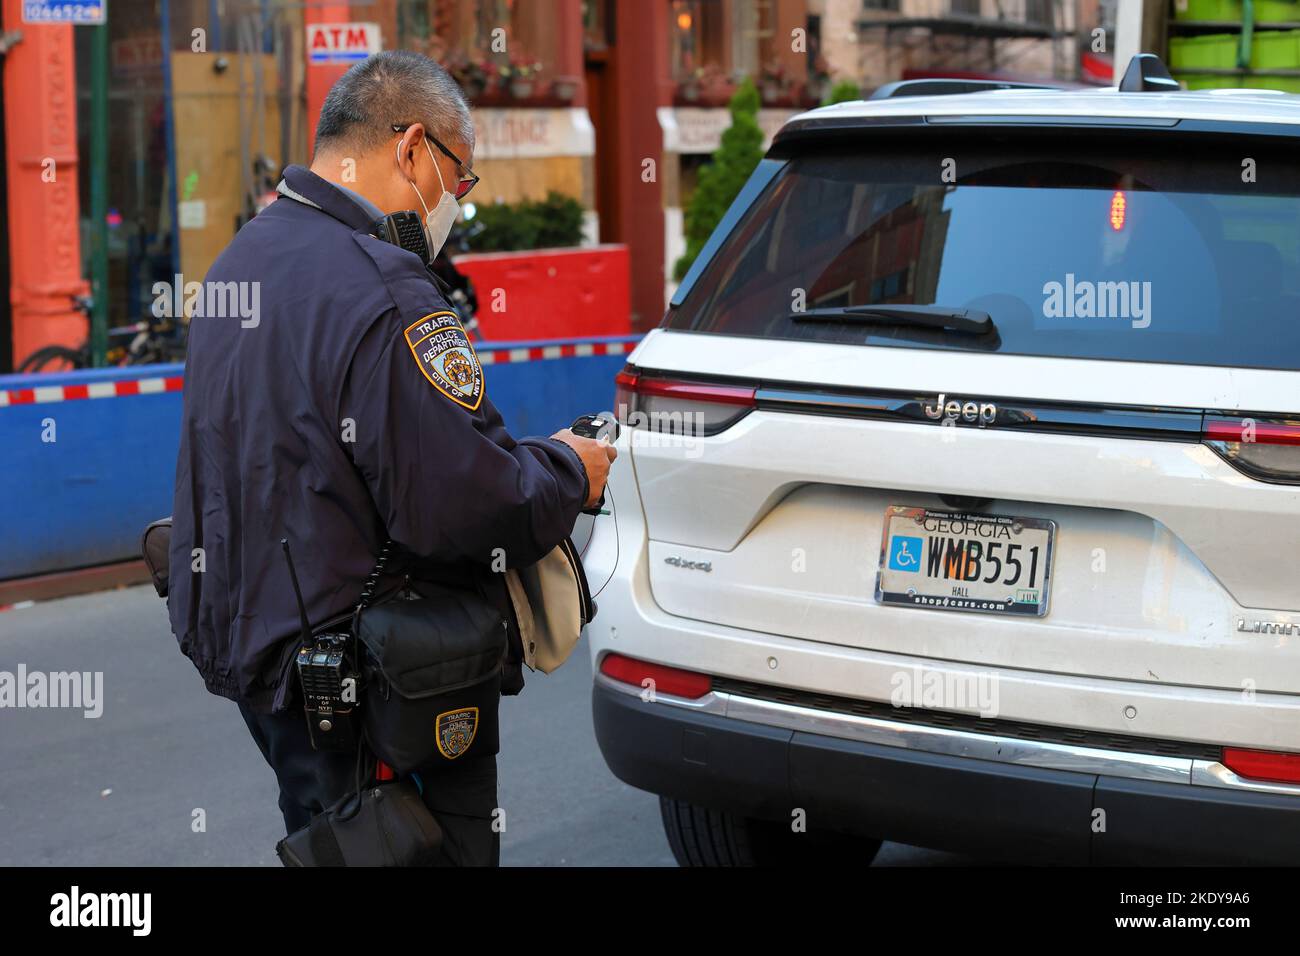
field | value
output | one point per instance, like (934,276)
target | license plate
(996,564)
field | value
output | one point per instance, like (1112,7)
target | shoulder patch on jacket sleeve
(443,352)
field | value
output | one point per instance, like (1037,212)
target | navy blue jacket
(353,410)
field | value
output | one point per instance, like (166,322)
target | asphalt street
(123,789)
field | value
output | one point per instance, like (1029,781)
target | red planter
(551,293)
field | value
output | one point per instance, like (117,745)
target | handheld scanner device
(599,426)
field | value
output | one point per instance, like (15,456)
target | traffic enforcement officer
(321,422)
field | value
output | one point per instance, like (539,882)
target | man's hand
(596,457)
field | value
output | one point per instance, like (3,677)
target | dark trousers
(461,796)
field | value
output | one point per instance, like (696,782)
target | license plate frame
(926,591)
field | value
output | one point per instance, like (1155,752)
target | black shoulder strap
(325,849)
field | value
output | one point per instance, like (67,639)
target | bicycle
(152,342)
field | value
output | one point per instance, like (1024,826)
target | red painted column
(641,84)
(321,78)
(41,174)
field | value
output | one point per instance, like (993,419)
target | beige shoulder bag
(552,604)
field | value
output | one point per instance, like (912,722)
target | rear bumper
(946,800)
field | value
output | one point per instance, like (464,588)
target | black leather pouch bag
(155,543)
(383,824)
(431,675)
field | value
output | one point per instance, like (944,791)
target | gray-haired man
(328,423)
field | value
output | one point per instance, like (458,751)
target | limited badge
(455,731)
(446,357)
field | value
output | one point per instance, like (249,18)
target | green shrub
(724,176)
(559,221)
(553,222)
(842,92)
(504,229)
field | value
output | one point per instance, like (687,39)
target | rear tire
(703,837)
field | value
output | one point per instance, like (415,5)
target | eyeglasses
(467,182)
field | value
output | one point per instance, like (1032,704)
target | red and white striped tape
(487,355)
(42,394)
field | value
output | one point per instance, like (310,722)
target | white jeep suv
(960,504)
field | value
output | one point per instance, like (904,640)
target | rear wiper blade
(928,316)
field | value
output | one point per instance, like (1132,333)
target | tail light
(1264,448)
(1263,765)
(677,406)
(663,679)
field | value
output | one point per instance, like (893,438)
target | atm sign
(341,42)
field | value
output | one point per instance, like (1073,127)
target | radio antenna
(297,592)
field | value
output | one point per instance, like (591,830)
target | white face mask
(438,220)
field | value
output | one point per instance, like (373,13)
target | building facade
(616,103)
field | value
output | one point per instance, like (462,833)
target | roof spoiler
(1145,74)
(947,87)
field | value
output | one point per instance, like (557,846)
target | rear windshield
(1189,256)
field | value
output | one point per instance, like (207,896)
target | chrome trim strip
(1044,755)
(1005,119)
(1207,773)
(961,743)
(1015,414)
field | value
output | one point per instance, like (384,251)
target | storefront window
(502,52)
(140,229)
(597,24)
(714,43)
(697,38)
(200,125)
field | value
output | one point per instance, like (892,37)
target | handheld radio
(403,229)
(327,678)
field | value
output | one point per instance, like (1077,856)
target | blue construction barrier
(90,456)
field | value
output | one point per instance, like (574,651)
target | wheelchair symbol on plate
(905,553)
